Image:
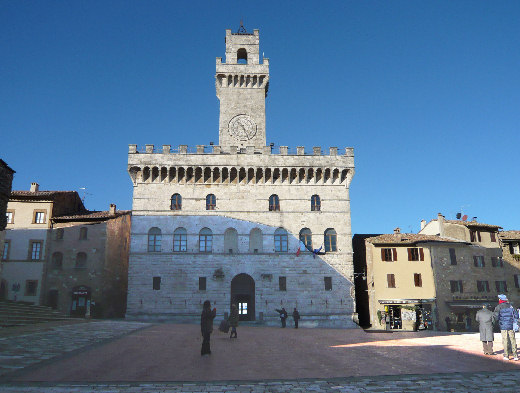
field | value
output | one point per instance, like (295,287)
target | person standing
(485,319)
(296,317)
(206,326)
(233,320)
(283,315)
(505,314)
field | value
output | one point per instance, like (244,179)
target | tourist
(296,317)
(233,320)
(485,321)
(206,326)
(506,316)
(283,315)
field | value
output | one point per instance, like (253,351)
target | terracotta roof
(473,224)
(511,235)
(409,238)
(39,194)
(92,216)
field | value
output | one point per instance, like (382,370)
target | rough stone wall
(6,182)
(512,268)
(115,284)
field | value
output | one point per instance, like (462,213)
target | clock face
(242,128)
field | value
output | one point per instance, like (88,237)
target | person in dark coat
(206,326)
(296,317)
(485,319)
(505,315)
(233,320)
(283,315)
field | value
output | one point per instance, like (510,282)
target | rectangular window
(202,283)
(39,217)
(390,280)
(156,283)
(482,286)
(328,283)
(453,256)
(35,250)
(456,286)
(9,214)
(180,242)
(497,262)
(417,279)
(5,253)
(478,261)
(30,287)
(282,283)
(517,280)
(472,236)
(493,237)
(389,254)
(501,286)
(415,254)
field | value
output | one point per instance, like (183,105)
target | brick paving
(31,347)
(118,356)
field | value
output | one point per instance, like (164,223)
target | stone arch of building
(243,295)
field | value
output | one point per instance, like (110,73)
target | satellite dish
(464,217)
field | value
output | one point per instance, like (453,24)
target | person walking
(283,315)
(233,320)
(296,317)
(485,319)
(206,326)
(505,314)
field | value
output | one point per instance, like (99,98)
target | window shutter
(383,254)
(461,289)
(421,254)
(395,253)
(409,254)
(475,260)
(393,281)
(478,236)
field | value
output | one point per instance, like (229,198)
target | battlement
(215,149)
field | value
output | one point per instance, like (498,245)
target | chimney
(397,230)
(112,209)
(440,221)
(34,187)
(423,224)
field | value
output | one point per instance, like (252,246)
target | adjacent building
(241,222)
(6,182)
(87,267)
(510,241)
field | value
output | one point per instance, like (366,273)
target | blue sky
(427,93)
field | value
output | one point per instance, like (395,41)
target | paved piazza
(117,356)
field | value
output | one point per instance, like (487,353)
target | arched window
(274,203)
(205,240)
(280,240)
(231,241)
(306,238)
(176,202)
(255,240)
(315,203)
(83,233)
(242,56)
(154,240)
(330,240)
(211,202)
(57,260)
(81,260)
(180,240)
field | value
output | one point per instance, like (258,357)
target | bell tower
(242,83)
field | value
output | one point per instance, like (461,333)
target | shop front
(80,305)
(462,313)
(405,314)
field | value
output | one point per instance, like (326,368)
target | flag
(316,251)
(301,245)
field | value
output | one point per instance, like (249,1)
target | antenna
(85,193)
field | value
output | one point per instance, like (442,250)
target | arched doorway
(243,295)
(80,301)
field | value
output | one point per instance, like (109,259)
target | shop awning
(405,301)
(469,303)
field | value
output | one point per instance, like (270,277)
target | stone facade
(225,195)
(510,241)
(6,182)
(87,264)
